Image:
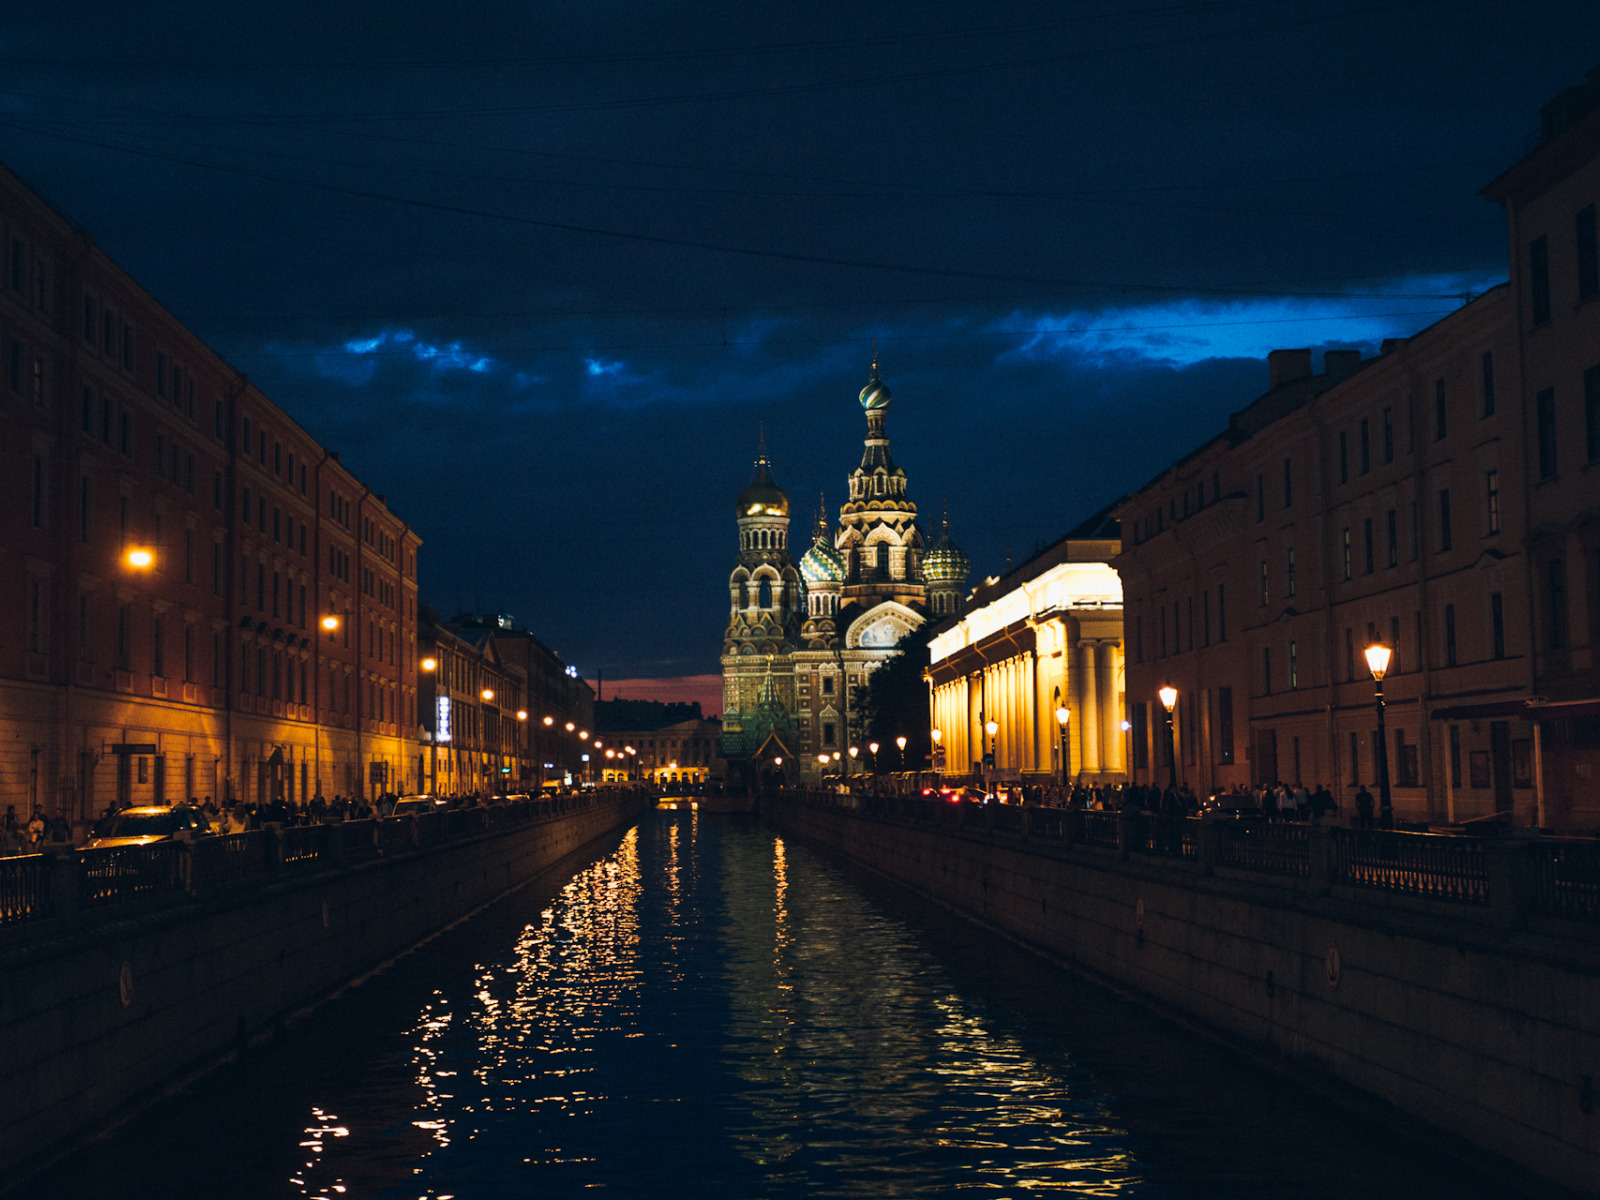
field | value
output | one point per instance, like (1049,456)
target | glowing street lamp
(872,749)
(570,726)
(427,664)
(139,558)
(991,728)
(549,721)
(487,693)
(1169,700)
(938,748)
(1063,720)
(1378,663)
(854,750)
(330,622)
(522,714)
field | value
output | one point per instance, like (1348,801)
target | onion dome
(876,393)
(822,563)
(945,563)
(763,497)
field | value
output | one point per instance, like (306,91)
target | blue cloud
(1180,333)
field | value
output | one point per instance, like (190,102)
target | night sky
(540,271)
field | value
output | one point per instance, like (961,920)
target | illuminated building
(1437,500)
(496,703)
(173,545)
(683,752)
(1043,637)
(802,641)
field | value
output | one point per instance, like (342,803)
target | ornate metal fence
(1566,879)
(122,872)
(24,888)
(1270,849)
(1415,864)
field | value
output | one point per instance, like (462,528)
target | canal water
(712,1010)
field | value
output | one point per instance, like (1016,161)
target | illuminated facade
(684,752)
(173,544)
(1046,636)
(802,640)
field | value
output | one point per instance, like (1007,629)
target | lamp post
(330,624)
(872,749)
(1063,716)
(854,750)
(429,665)
(938,749)
(901,742)
(1169,700)
(1378,664)
(991,728)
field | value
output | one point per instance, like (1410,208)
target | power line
(715,247)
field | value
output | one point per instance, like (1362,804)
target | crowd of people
(1271,802)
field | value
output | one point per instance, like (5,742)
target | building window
(39,492)
(1449,635)
(1263,585)
(1488,383)
(1392,527)
(1591,412)
(1491,486)
(1497,624)
(1455,756)
(85,507)
(1205,618)
(1388,435)
(1289,588)
(1261,498)
(1222,614)
(1288,483)
(1349,654)
(827,685)
(1364,447)
(1394,646)
(1588,254)
(1344,457)
(1355,758)
(1345,548)
(1557,595)
(1366,544)
(1544,408)
(1539,280)
(1440,413)
(828,737)
(1444,519)
(1266,670)
(158,648)
(1294,665)
(123,652)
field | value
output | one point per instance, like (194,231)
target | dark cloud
(362,208)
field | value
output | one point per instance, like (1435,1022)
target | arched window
(744,596)
(766,593)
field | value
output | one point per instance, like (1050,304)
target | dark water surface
(714,1011)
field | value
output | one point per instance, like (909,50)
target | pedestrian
(1363,809)
(35,830)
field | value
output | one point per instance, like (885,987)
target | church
(803,638)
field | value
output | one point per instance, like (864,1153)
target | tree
(896,704)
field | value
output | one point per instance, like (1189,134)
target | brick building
(171,545)
(1436,499)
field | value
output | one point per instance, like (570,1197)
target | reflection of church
(802,640)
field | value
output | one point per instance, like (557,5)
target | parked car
(155,823)
(1231,807)
(411,806)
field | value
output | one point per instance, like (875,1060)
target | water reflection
(713,1011)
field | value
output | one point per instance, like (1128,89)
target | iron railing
(1269,849)
(217,861)
(1433,866)
(24,888)
(115,873)
(1566,879)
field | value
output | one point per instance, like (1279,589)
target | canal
(713,1011)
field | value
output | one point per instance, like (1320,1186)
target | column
(1091,709)
(1107,719)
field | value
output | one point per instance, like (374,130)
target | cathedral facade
(803,637)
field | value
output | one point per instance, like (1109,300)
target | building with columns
(803,638)
(1045,636)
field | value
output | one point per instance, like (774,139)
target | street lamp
(901,742)
(139,558)
(1063,716)
(991,728)
(872,749)
(938,749)
(854,750)
(1169,700)
(1378,664)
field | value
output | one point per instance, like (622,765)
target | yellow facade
(1046,636)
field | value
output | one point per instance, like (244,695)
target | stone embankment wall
(1477,1020)
(103,1006)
